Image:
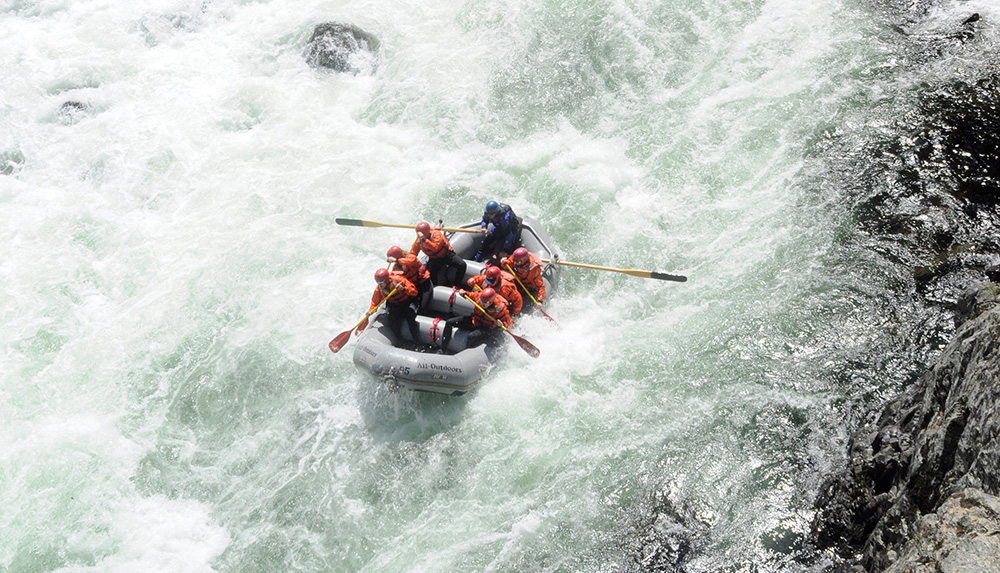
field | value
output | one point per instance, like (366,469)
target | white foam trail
(160,534)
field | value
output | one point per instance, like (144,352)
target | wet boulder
(976,300)
(342,48)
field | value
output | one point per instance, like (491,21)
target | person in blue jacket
(501,230)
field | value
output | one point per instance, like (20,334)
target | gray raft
(423,365)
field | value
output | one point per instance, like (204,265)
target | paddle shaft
(538,305)
(366,223)
(341,339)
(632,272)
(528,347)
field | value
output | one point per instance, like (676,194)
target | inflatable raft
(455,366)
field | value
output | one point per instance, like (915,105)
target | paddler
(503,283)
(527,267)
(402,302)
(411,267)
(490,312)
(445,266)
(491,309)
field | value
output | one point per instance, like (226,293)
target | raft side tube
(441,373)
(447,300)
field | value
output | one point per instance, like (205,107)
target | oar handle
(341,339)
(632,272)
(372,311)
(366,223)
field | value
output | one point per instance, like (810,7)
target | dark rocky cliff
(918,490)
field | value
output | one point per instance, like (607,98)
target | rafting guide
(502,232)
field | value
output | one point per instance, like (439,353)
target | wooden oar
(528,347)
(337,343)
(365,223)
(538,305)
(633,272)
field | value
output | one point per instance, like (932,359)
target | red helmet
(492,274)
(394,252)
(424,228)
(486,297)
(381,275)
(520,255)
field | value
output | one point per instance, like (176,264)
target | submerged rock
(968,30)
(71,111)
(342,48)
(926,195)
(11,161)
(662,535)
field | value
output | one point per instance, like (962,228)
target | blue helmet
(492,207)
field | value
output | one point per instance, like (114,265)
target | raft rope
(434,331)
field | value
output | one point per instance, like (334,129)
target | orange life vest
(530,274)
(496,313)
(435,246)
(507,289)
(412,269)
(404,290)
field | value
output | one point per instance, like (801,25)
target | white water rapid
(170,172)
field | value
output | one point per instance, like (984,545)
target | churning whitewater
(170,173)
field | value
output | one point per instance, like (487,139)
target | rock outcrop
(960,536)
(919,488)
